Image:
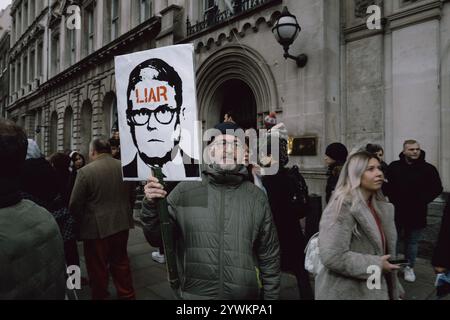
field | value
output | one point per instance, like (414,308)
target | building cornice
(149,28)
(231,20)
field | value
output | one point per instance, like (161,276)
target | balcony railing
(213,16)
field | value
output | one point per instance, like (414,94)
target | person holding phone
(357,237)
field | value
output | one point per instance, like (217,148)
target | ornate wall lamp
(286,30)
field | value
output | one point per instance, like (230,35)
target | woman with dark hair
(60,207)
(77,162)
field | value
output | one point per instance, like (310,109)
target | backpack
(312,259)
(299,195)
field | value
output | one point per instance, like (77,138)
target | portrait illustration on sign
(157,114)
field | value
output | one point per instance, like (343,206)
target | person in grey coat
(226,243)
(357,237)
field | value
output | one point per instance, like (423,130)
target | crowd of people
(234,232)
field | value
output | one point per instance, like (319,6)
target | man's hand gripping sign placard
(157,108)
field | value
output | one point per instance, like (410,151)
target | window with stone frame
(25,70)
(40,57)
(55,54)
(13,30)
(25,15)
(19,66)
(111,20)
(32,65)
(19,24)
(71,46)
(89,28)
(32,10)
(13,82)
(145,10)
(115,19)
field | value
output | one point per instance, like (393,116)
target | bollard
(314,215)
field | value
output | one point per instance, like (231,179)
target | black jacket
(441,257)
(411,187)
(290,235)
(333,176)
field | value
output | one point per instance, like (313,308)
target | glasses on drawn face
(163,114)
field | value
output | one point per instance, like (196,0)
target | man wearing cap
(223,228)
(335,157)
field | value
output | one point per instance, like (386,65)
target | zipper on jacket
(221,244)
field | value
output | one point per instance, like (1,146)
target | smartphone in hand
(400,262)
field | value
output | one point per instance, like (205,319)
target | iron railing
(213,16)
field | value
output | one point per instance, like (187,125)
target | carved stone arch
(234,62)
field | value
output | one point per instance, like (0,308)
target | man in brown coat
(102,205)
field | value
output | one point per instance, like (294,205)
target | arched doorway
(54,133)
(238,76)
(68,129)
(86,127)
(110,117)
(236,96)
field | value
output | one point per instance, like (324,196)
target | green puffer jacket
(32,265)
(224,235)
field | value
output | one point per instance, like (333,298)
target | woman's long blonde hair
(348,187)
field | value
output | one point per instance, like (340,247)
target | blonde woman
(357,237)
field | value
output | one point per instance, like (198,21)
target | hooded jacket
(411,187)
(224,232)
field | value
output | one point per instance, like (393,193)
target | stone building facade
(360,85)
(62,77)
(5,31)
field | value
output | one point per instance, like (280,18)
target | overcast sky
(4,4)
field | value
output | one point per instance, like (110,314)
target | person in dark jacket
(31,248)
(226,243)
(412,185)
(77,161)
(66,221)
(291,237)
(441,256)
(335,157)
